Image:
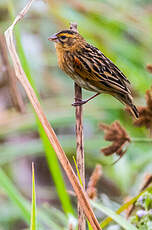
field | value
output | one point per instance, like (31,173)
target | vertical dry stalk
(16,96)
(80,144)
(80,153)
(81,194)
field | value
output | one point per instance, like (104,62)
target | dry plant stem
(80,144)
(80,152)
(11,80)
(81,194)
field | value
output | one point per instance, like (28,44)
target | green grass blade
(15,196)
(117,218)
(78,173)
(23,205)
(89,226)
(33,208)
(50,153)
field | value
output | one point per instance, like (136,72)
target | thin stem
(80,144)
(80,152)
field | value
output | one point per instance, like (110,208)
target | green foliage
(117,218)
(143,216)
(126,206)
(15,196)
(23,206)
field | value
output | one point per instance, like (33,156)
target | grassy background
(123,31)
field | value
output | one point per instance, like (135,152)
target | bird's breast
(65,62)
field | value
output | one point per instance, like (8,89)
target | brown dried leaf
(119,137)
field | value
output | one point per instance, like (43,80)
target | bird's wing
(94,67)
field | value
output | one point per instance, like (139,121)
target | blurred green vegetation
(122,30)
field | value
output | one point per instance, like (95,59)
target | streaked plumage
(90,69)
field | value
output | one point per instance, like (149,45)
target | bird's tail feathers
(134,110)
(127,100)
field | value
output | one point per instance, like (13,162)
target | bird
(91,69)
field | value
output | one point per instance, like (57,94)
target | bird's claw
(78,103)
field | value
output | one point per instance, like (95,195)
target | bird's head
(66,39)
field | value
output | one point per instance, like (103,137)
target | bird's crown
(66,38)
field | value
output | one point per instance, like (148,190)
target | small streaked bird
(90,69)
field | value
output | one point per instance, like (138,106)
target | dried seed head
(91,190)
(119,137)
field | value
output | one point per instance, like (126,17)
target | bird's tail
(128,101)
(134,110)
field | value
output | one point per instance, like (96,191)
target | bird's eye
(63,37)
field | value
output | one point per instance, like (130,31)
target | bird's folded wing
(101,76)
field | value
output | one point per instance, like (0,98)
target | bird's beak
(53,38)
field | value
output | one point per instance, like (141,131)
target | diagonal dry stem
(81,194)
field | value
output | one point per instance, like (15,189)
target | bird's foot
(79,102)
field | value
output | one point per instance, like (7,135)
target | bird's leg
(80,102)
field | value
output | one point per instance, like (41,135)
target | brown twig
(20,74)
(80,144)
(15,94)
